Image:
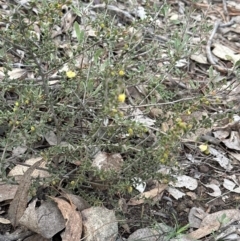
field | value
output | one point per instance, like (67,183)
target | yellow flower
(121,98)
(114,110)
(163,161)
(178,120)
(17,104)
(165,181)
(32,128)
(130,189)
(165,155)
(121,73)
(204,148)
(70,74)
(121,114)
(130,131)
(189,112)
(182,125)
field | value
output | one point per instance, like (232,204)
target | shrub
(72,84)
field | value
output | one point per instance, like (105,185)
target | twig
(4,151)
(208,48)
(159,104)
(219,196)
(209,43)
(46,91)
(118,11)
(225,9)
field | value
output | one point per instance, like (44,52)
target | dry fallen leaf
(199,57)
(73,230)
(4,221)
(195,217)
(221,158)
(175,192)
(7,192)
(145,234)
(45,220)
(106,161)
(78,201)
(230,185)
(214,221)
(36,237)
(99,224)
(145,195)
(19,203)
(216,190)
(185,181)
(139,117)
(225,53)
(234,141)
(17,73)
(51,138)
(204,231)
(19,170)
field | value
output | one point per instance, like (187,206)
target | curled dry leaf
(73,230)
(216,190)
(234,141)
(19,203)
(145,195)
(78,201)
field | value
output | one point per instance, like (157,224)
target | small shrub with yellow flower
(79,95)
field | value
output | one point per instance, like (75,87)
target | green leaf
(237,64)
(79,32)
